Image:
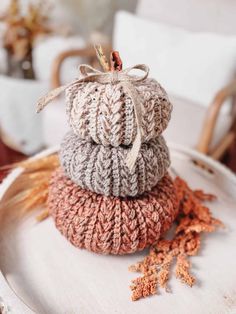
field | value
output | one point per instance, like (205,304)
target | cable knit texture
(111,225)
(105,114)
(103,170)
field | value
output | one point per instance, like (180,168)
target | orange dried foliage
(193,219)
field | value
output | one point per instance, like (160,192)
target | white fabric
(191,65)
(55,123)
(48,49)
(18,117)
(187,120)
(196,15)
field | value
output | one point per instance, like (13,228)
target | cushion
(190,65)
(55,123)
(196,15)
(187,131)
(18,118)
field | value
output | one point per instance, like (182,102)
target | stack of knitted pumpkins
(112,193)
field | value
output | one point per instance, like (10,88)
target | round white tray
(41,272)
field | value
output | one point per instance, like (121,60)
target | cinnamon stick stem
(115,60)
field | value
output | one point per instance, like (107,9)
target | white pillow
(188,64)
(18,118)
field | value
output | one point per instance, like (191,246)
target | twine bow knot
(89,74)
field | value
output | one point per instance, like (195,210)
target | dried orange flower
(193,219)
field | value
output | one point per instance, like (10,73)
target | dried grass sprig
(193,219)
(102,58)
(30,190)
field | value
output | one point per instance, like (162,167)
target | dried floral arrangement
(115,224)
(20,35)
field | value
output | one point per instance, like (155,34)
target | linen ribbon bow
(89,74)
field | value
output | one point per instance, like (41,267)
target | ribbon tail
(133,153)
(46,99)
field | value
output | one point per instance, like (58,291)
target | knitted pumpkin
(102,169)
(105,113)
(111,225)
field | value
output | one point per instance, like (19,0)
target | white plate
(41,272)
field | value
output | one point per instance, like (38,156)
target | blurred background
(189,45)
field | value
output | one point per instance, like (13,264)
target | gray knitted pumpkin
(105,113)
(103,170)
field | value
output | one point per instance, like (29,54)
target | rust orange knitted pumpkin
(111,225)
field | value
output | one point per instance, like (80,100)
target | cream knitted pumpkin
(105,114)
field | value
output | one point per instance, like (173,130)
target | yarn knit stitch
(103,170)
(111,225)
(105,114)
